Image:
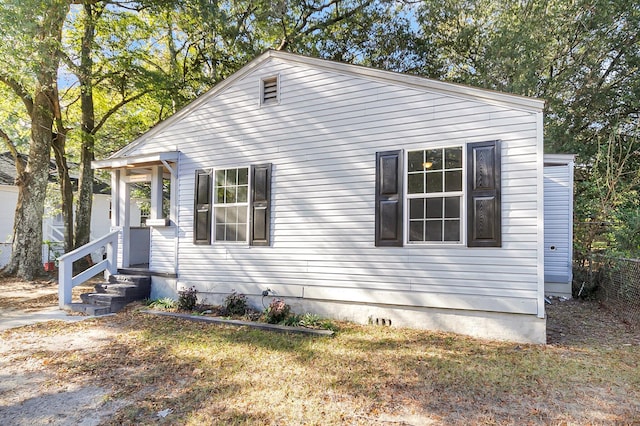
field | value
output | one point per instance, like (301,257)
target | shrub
(277,311)
(164,303)
(187,299)
(236,304)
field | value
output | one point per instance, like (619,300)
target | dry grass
(364,375)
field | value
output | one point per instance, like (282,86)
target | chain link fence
(613,281)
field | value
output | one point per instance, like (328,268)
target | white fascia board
(119,162)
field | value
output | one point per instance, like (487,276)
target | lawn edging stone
(254,324)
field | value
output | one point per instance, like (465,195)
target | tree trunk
(66,189)
(85,183)
(26,256)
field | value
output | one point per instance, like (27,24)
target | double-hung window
(435,195)
(440,195)
(231,204)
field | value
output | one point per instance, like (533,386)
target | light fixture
(427,164)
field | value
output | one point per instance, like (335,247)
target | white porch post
(124,222)
(156,192)
(115,204)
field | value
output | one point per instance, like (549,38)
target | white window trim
(215,205)
(261,90)
(462,194)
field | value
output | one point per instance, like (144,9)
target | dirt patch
(586,323)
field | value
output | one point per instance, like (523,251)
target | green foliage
(236,304)
(165,303)
(187,299)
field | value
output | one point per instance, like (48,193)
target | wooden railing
(66,279)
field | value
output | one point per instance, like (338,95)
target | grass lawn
(211,374)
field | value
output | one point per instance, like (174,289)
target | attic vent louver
(270,90)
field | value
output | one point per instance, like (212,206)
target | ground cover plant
(236,306)
(195,373)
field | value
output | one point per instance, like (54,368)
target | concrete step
(89,309)
(128,291)
(113,301)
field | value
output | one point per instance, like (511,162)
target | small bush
(187,299)
(236,304)
(166,303)
(277,311)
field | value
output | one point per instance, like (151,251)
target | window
(241,206)
(269,92)
(445,188)
(434,193)
(231,204)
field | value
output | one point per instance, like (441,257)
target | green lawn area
(211,374)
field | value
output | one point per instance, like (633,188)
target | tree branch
(115,108)
(19,162)
(20,91)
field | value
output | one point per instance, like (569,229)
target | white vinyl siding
(558,218)
(322,140)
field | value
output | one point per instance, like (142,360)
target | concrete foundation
(481,324)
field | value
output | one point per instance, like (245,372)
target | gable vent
(270,90)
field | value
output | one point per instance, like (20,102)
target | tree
(33,30)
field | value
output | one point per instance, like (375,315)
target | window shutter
(484,222)
(260,205)
(389,201)
(202,208)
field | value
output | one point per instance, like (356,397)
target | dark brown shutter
(260,205)
(202,208)
(389,199)
(484,222)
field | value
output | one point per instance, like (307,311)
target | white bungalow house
(350,192)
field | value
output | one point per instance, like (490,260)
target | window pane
(452,207)
(434,182)
(416,208)
(434,208)
(452,230)
(242,232)
(416,158)
(230,195)
(434,230)
(242,194)
(453,180)
(232,215)
(219,177)
(219,195)
(232,177)
(230,232)
(453,158)
(220,213)
(416,230)
(434,156)
(416,183)
(242,214)
(243,176)
(220,233)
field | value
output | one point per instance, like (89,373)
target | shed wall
(558,235)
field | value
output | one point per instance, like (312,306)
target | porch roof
(142,160)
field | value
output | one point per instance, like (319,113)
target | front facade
(353,193)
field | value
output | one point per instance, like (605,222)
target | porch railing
(66,279)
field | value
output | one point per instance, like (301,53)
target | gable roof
(390,77)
